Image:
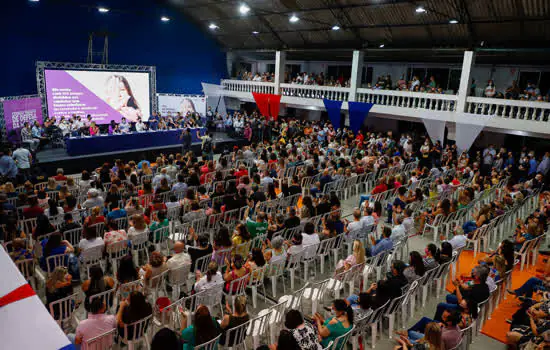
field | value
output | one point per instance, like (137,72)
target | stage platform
(51,159)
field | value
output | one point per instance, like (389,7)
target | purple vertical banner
(17,112)
(358,111)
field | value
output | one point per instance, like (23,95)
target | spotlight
(34,0)
(255,32)
(293,19)
(420,9)
(381,46)
(335,27)
(103,9)
(244,9)
(213,26)
(453,21)
(165,19)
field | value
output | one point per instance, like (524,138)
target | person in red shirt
(34,210)
(381,187)
(60,176)
(241,172)
(359,138)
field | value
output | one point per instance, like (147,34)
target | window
(366,77)
(270,68)
(454,80)
(525,77)
(441,76)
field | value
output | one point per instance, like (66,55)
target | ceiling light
(453,21)
(336,28)
(213,26)
(244,9)
(255,32)
(381,46)
(420,9)
(165,19)
(34,0)
(103,9)
(293,19)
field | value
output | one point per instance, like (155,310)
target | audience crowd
(222,223)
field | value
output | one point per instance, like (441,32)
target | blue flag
(358,111)
(333,109)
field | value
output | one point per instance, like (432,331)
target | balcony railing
(509,109)
(509,114)
(408,99)
(315,91)
(248,86)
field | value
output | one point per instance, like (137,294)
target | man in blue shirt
(8,168)
(154,121)
(384,244)
(532,165)
(544,165)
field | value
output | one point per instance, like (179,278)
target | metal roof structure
(396,24)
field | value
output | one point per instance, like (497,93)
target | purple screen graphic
(105,96)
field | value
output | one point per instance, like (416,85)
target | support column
(356,74)
(465,80)
(280,63)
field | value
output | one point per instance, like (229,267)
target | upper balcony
(511,116)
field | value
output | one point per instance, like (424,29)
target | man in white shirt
(163,175)
(356,224)
(368,219)
(408,222)
(398,231)
(266,180)
(458,240)
(140,126)
(180,257)
(64,126)
(23,160)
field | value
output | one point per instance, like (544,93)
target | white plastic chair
(274,271)
(105,341)
(277,313)
(237,287)
(210,345)
(316,293)
(257,280)
(139,243)
(177,278)
(62,311)
(115,252)
(293,264)
(340,342)
(137,332)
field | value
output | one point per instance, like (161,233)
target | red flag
(274,104)
(262,101)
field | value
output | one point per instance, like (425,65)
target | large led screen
(105,95)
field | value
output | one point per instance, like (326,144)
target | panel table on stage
(77,146)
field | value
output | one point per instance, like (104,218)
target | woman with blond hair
(232,320)
(356,257)
(95,217)
(58,286)
(431,341)
(137,226)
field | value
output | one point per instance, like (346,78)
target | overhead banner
(436,129)
(215,98)
(17,112)
(358,111)
(334,110)
(468,127)
(262,101)
(173,104)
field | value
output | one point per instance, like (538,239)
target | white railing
(249,86)
(315,91)
(512,109)
(408,99)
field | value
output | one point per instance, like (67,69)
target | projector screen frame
(42,66)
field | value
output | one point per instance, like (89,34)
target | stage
(52,158)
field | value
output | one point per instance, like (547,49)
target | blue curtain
(333,109)
(358,111)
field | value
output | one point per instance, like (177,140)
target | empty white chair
(257,328)
(257,280)
(293,264)
(155,284)
(90,257)
(316,293)
(139,243)
(275,321)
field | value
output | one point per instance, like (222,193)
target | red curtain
(262,101)
(274,104)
